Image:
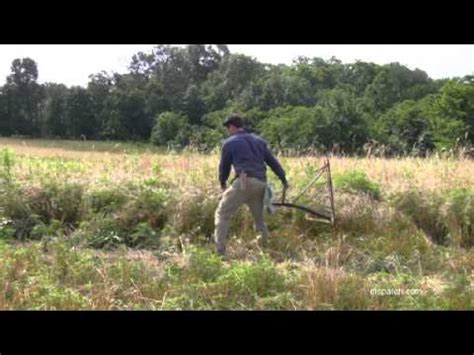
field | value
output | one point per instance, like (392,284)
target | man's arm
(224,166)
(275,165)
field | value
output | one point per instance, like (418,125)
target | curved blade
(303,208)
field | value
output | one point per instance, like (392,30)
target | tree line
(179,96)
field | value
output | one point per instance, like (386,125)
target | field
(97,225)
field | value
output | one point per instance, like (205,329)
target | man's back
(248,153)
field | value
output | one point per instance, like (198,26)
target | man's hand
(223,188)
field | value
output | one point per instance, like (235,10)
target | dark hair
(234,120)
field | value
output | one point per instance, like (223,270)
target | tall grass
(87,225)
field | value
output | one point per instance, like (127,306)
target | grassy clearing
(129,228)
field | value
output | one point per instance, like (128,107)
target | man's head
(234,123)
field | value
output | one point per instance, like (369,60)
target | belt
(248,175)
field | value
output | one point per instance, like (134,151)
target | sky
(72,64)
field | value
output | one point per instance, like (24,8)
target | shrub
(357,181)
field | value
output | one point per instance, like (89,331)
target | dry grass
(330,270)
(191,169)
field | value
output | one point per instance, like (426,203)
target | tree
(81,119)
(203,61)
(395,83)
(120,104)
(344,120)
(127,116)
(174,70)
(171,128)
(55,121)
(194,106)
(407,128)
(320,74)
(454,109)
(359,75)
(293,127)
(24,97)
(5,128)
(99,88)
(279,87)
(224,85)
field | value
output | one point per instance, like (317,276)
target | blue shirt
(248,153)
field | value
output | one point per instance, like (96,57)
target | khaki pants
(252,195)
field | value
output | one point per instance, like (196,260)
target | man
(247,153)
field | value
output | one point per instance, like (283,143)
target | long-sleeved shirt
(248,153)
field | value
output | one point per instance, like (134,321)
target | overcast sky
(72,64)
